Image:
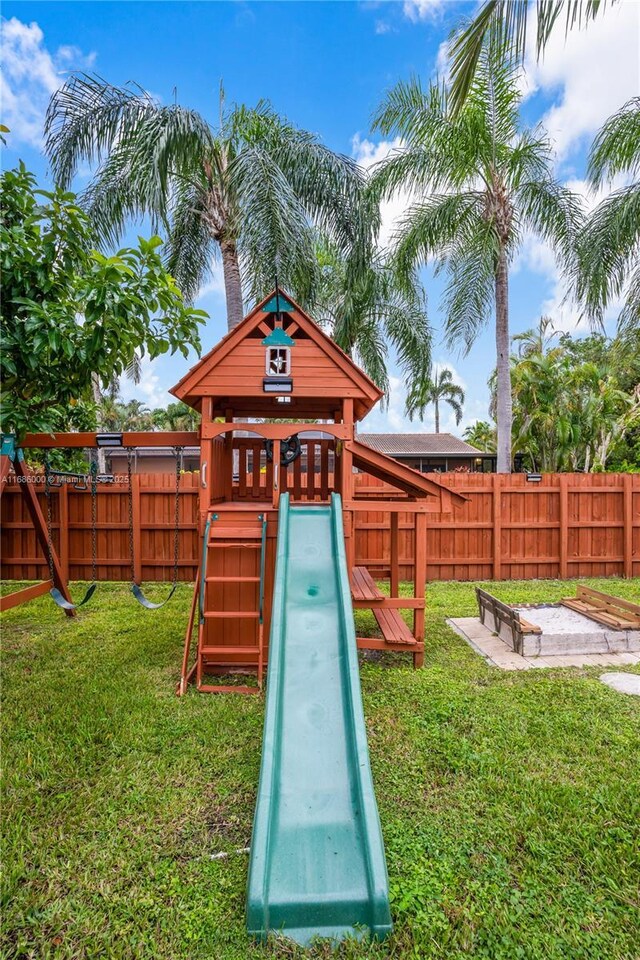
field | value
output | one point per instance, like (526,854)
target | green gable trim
(278,338)
(8,446)
(280,303)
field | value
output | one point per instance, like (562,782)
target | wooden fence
(567,525)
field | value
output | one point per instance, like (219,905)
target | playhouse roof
(323,375)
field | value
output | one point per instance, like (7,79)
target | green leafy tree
(576,404)
(440,389)
(480,182)
(481,435)
(536,340)
(176,416)
(69,313)
(246,191)
(610,247)
(510,19)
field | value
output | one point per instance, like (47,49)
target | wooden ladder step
(232,614)
(393,627)
(234,544)
(220,648)
(232,579)
(239,533)
(213,688)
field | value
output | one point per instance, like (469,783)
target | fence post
(63,537)
(563,480)
(394,573)
(627,530)
(419,571)
(137,530)
(496,480)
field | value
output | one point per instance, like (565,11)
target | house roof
(419,444)
(365,392)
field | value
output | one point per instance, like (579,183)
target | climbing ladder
(219,603)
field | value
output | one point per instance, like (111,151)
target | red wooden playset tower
(279,403)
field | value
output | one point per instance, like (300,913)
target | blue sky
(324,65)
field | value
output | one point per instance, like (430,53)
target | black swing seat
(136,590)
(58,598)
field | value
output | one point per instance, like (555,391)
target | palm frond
(609,253)
(508,20)
(191,248)
(435,229)
(470,292)
(616,147)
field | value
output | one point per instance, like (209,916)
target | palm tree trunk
(97,396)
(504,414)
(232,282)
(436,406)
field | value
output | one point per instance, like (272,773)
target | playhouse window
(278,361)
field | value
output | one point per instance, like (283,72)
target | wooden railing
(309,477)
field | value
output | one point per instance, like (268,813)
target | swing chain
(178,453)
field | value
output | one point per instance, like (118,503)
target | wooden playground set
(278,402)
(277,585)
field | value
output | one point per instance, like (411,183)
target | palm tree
(364,308)
(480,182)
(439,389)
(481,435)
(135,415)
(536,340)
(610,246)
(245,191)
(510,19)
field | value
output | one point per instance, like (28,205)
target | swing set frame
(12,459)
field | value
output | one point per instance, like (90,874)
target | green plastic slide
(317,864)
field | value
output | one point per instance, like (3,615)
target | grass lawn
(510,802)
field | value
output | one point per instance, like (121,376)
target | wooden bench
(363,586)
(394,629)
(364,589)
(504,615)
(605,609)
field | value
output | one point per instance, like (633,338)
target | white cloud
(215,283)
(30,74)
(368,153)
(417,10)
(537,256)
(149,390)
(382,26)
(594,70)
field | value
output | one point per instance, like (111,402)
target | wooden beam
(275,431)
(392,603)
(14,599)
(27,487)
(394,578)
(137,529)
(148,438)
(374,643)
(497,525)
(420,578)
(563,533)
(628,526)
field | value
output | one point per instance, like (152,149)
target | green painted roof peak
(278,338)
